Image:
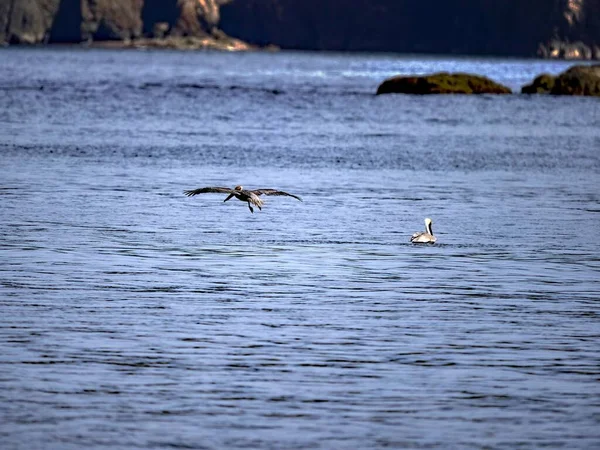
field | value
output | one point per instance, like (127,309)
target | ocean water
(132,316)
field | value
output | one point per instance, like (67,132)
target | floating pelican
(425,237)
(245,195)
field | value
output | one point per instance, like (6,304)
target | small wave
(22,88)
(208,86)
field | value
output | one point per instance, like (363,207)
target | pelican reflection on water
(424,237)
(252,197)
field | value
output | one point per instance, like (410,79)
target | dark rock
(542,84)
(578,80)
(442,83)
(492,27)
(160,30)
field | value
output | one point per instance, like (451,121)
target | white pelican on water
(425,237)
(245,195)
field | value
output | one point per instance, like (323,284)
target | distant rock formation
(576,31)
(105,20)
(442,83)
(186,23)
(566,29)
(556,49)
(26,22)
(471,27)
(212,42)
(577,80)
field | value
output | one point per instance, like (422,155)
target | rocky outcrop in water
(577,80)
(542,84)
(209,42)
(442,83)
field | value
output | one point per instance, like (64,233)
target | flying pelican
(425,237)
(245,195)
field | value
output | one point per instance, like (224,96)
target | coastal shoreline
(473,28)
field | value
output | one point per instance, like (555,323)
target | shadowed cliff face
(507,27)
(67,23)
(551,28)
(582,20)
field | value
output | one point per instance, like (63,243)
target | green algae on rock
(442,83)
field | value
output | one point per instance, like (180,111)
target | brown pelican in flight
(425,237)
(245,195)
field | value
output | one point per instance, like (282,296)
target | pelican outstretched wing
(208,190)
(274,192)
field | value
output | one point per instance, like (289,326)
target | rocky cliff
(549,28)
(74,21)
(26,22)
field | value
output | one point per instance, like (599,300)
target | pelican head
(238,188)
(428,225)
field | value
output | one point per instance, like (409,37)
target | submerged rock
(442,83)
(577,80)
